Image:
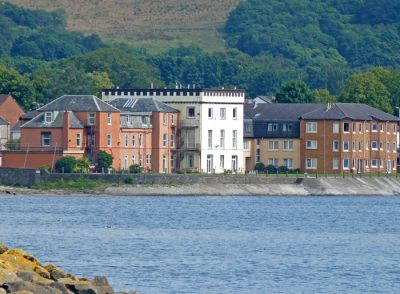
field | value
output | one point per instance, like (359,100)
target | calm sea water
(215,244)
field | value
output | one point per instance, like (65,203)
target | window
(335,163)
(172,161)
(126,162)
(374,145)
(367,145)
(311,127)
(336,145)
(165,140)
(126,140)
(288,162)
(346,127)
(387,146)
(234,139)
(272,127)
(222,113)
(48,117)
(346,163)
(172,119)
(311,144)
(91,118)
(394,147)
(210,144)
(140,159)
(287,127)
(258,155)
(109,119)
(273,161)
(148,159)
(335,128)
(164,118)
(366,163)
(360,146)
(234,112)
(222,139)
(374,163)
(140,140)
(311,163)
(78,140)
(133,141)
(210,113)
(382,127)
(164,164)
(246,144)
(190,112)
(109,140)
(346,146)
(288,145)
(46,139)
(273,145)
(133,159)
(354,145)
(190,138)
(222,161)
(374,127)
(381,145)
(360,129)
(172,141)
(367,127)
(354,127)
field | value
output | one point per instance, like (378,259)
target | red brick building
(84,125)
(10,109)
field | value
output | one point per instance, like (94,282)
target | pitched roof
(353,111)
(29,115)
(58,122)
(3,121)
(130,105)
(279,111)
(78,103)
(3,98)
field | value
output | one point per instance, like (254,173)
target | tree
(294,92)
(323,96)
(82,165)
(100,80)
(66,164)
(104,161)
(366,88)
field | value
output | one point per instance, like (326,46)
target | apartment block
(210,125)
(321,138)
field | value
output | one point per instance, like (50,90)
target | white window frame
(288,145)
(336,127)
(348,164)
(334,147)
(222,113)
(273,145)
(311,144)
(91,118)
(234,139)
(109,118)
(43,139)
(311,127)
(348,146)
(234,113)
(78,140)
(222,139)
(48,117)
(311,163)
(210,113)
(109,140)
(188,108)
(165,140)
(335,163)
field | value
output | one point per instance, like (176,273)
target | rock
(55,272)
(3,291)
(102,285)
(32,287)
(3,248)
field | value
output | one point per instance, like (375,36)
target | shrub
(104,161)
(135,169)
(259,167)
(271,169)
(12,144)
(66,164)
(129,180)
(283,169)
(82,165)
(45,167)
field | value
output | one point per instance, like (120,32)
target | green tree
(323,96)
(294,92)
(366,88)
(100,80)
(82,165)
(104,161)
(66,164)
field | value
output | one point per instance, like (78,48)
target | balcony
(190,123)
(191,147)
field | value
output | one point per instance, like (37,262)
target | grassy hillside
(155,24)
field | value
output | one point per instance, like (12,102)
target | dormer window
(48,117)
(91,118)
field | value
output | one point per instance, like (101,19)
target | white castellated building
(211,125)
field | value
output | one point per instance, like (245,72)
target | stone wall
(19,177)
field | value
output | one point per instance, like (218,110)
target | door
(209,164)
(234,164)
(360,166)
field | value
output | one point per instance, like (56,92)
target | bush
(82,165)
(136,169)
(12,144)
(45,167)
(129,180)
(66,164)
(104,161)
(259,167)
(271,169)
(283,169)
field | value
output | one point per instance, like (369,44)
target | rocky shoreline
(21,273)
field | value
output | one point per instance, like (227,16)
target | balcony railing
(190,123)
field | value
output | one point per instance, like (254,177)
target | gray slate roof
(279,111)
(58,122)
(354,111)
(141,105)
(3,121)
(315,111)
(29,115)
(77,103)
